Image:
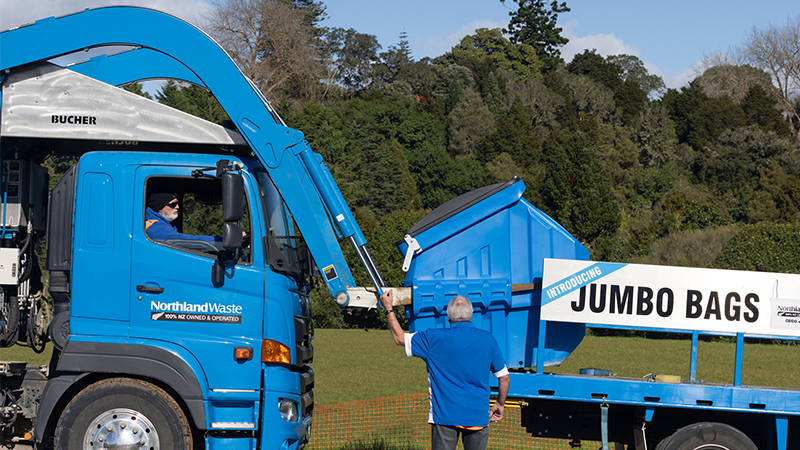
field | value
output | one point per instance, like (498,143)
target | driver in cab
(162,209)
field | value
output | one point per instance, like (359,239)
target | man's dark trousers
(446,438)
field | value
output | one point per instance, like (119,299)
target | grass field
(354,364)
(18,353)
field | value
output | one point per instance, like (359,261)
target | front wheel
(707,436)
(123,413)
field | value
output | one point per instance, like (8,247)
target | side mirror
(231,235)
(232,212)
(218,274)
(232,197)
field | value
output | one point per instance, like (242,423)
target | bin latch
(413,249)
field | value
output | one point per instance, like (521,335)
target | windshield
(286,249)
(272,202)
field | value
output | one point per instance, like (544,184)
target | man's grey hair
(459,309)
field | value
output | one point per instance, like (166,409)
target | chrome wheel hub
(121,429)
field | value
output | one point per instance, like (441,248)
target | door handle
(149,289)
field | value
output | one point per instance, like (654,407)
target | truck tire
(9,317)
(123,413)
(707,436)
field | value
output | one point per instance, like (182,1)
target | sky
(669,37)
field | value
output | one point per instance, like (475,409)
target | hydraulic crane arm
(168,47)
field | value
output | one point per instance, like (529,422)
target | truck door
(174,299)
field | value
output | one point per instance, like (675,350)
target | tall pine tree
(535,24)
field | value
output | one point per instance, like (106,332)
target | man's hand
(496,412)
(387,299)
(391,320)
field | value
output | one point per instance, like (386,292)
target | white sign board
(681,298)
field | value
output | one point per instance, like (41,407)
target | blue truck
(159,344)
(183,343)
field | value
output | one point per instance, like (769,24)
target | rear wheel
(125,414)
(707,436)
(9,319)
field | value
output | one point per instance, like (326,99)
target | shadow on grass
(377,443)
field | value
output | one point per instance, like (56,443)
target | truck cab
(153,308)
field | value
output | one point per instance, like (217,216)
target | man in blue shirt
(459,360)
(162,209)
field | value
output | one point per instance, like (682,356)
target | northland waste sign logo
(785,314)
(196,312)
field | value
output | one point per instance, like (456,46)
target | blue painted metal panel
(233,407)
(226,443)
(279,433)
(481,252)
(100,291)
(781,429)
(634,391)
(177,350)
(135,65)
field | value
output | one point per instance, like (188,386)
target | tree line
(622,162)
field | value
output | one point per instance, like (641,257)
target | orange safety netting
(400,423)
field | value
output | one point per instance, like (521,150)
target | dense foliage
(767,247)
(621,162)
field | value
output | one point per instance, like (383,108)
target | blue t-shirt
(460,360)
(158,228)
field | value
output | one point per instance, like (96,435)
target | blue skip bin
(489,246)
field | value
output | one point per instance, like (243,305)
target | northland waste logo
(196,312)
(788,311)
(785,313)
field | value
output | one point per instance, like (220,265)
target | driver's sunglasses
(173,204)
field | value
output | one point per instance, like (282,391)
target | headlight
(288,409)
(341,298)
